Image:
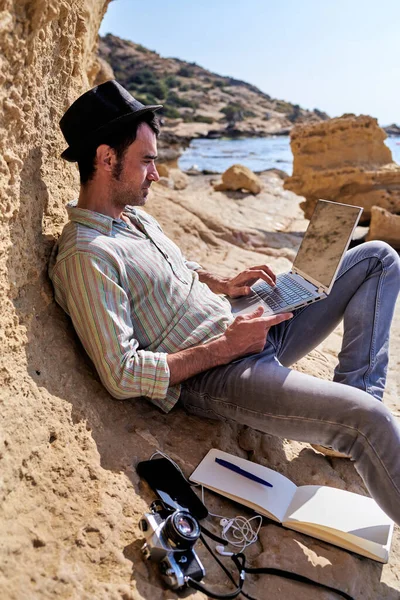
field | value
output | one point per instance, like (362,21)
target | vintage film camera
(170,537)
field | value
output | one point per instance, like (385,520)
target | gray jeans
(263,392)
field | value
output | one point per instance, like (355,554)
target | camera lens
(182,529)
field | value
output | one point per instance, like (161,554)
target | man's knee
(385,252)
(372,422)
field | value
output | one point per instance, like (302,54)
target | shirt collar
(95,220)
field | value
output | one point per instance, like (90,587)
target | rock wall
(344,160)
(47,59)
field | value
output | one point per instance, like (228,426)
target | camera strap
(239,560)
(294,577)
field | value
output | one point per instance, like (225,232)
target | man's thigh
(260,392)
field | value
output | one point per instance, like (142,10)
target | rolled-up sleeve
(101,314)
(192,265)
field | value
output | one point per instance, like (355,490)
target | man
(159,327)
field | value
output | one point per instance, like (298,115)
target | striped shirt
(133,299)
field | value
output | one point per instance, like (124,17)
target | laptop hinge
(321,289)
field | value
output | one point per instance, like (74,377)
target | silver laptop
(315,267)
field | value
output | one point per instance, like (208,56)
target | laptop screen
(325,240)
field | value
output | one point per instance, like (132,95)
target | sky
(340,56)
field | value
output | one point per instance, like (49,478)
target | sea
(258,154)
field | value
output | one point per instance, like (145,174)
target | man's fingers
(270,320)
(255,314)
(251,275)
(275,319)
(265,268)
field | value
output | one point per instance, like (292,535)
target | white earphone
(221,550)
(226,525)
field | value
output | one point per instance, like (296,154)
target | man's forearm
(214,282)
(246,335)
(189,362)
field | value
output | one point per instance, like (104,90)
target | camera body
(170,536)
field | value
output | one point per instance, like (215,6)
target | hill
(199,102)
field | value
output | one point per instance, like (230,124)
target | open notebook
(345,519)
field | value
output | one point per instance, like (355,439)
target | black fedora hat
(97,113)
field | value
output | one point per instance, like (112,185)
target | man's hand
(240,284)
(247,334)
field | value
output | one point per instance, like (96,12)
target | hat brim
(72,154)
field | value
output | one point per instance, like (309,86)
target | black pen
(240,471)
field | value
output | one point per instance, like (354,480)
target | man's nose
(153,173)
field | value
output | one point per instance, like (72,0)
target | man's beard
(128,197)
(125,196)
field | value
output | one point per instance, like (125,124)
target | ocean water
(256,153)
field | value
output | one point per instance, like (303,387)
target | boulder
(344,160)
(384,226)
(179,179)
(172,178)
(239,177)
(163,170)
(166,182)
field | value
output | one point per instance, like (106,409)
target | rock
(166,182)
(344,160)
(213,134)
(180,180)
(392,129)
(193,171)
(171,146)
(239,177)
(384,226)
(105,72)
(163,170)
(172,177)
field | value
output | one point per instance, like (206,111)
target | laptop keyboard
(286,292)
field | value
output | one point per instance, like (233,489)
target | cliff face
(344,160)
(47,51)
(70,499)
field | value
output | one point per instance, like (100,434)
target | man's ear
(105,158)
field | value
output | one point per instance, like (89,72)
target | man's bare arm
(246,335)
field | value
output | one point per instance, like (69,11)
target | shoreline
(212,156)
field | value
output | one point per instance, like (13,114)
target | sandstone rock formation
(344,160)
(163,170)
(239,177)
(70,498)
(171,177)
(179,179)
(384,226)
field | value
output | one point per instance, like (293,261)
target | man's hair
(119,140)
